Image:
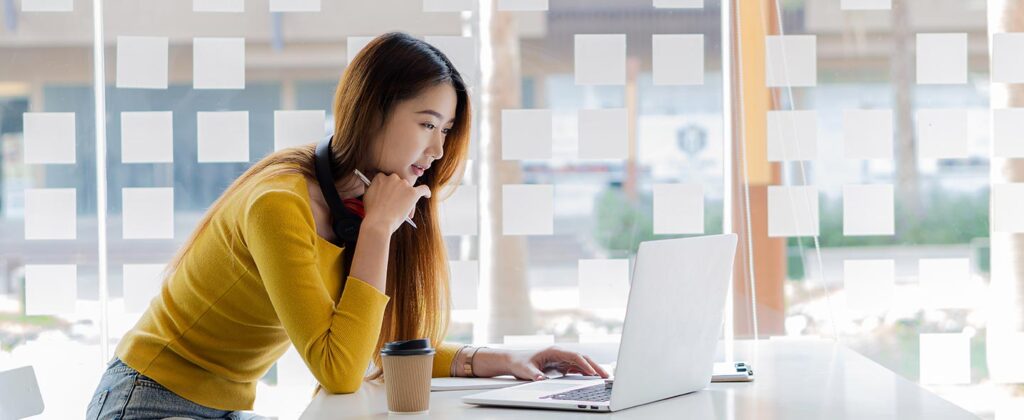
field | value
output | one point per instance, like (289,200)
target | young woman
(265,270)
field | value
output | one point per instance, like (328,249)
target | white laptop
(673,321)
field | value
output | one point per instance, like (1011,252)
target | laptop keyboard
(599,392)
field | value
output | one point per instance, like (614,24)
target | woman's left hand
(530,365)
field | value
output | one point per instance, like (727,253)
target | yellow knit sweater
(257,280)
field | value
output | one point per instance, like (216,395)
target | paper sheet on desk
(460,384)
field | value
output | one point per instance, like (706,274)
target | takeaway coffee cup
(407,369)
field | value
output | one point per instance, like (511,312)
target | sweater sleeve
(335,339)
(444,357)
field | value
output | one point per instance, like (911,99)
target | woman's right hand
(390,199)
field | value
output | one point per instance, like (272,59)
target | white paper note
(461,51)
(527,209)
(355,44)
(869,284)
(294,128)
(218,63)
(1007,208)
(147,137)
(294,5)
(526,134)
(603,284)
(522,5)
(142,62)
(944,283)
(867,134)
(147,213)
(678,208)
(47,6)
(865,4)
(945,359)
(603,133)
(868,210)
(141,284)
(51,289)
(465,281)
(1007,60)
(792,210)
(600,59)
(678,59)
(222,6)
(791,60)
(1008,132)
(792,135)
(49,137)
(50,213)
(459,212)
(678,4)
(222,136)
(942,133)
(942,59)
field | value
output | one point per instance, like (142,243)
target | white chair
(20,397)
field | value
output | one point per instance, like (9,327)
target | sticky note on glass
(603,133)
(869,284)
(678,59)
(1007,61)
(354,45)
(294,128)
(791,60)
(678,4)
(942,133)
(1008,132)
(222,6)
(141,284)
(942,59)
(526,134)
(47,5)
(50,213)
(528,340)
(867,134)
(600,59)
(678,208)
(1007,208)
(461,51)
(945,359)
(868,210)
(465,281)
(792,135)
(294,5)
(147,213)
(142,62)
(449,5)
(527,209)
(222,136)
(51,289)
(49,137)
(147,137)
(522,5)
(603,284)
(945,282)
(218,63)
(865,5)
(792,210)
(459,211)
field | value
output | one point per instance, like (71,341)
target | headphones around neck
(344,222)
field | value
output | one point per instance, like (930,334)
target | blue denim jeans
(124,393)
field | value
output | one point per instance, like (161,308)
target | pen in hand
(367,182)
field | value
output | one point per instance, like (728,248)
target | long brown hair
(392,68)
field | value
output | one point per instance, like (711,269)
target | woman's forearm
(370,261)
(487,362)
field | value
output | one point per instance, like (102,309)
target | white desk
(794,380)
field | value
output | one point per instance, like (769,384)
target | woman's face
(413,136)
